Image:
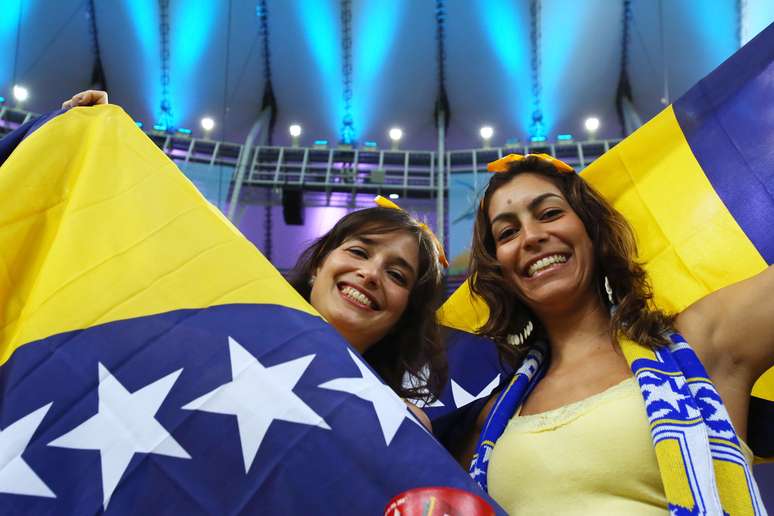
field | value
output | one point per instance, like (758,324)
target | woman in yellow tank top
(555,264)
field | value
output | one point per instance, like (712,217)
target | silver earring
(609,291)
(518,339)
(311,280)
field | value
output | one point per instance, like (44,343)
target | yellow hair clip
(503,164)
(383,202)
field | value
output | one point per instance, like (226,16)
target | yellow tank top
(594,456)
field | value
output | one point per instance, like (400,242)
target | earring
(311,280)
(609,291)
(518,339)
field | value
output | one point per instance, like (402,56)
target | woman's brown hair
(413,345)
(615,252)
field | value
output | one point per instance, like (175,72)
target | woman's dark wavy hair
(615,252)
(413,345)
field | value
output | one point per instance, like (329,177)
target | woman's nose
(534,234)
(369,271)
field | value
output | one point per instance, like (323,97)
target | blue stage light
(11,16)
(2,100)
(191,34)
(320,21)
(567,33)
(371,48)
(537,139)
(498,19)
(183,130)
(718,36)
(139,124)
(369,145)
(564,137)
(160,127)
(143,17)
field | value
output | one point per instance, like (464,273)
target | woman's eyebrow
(506,215)
(363,239)
(401,262)
(398,260)
(534,203)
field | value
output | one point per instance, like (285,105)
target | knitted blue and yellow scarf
(698,452)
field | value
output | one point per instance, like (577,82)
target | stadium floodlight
(20,93)
(395,134)
(208,124)
(486,132)
(591,124)
(295,134)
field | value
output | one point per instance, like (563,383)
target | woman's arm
(459,430)
(735,325)
(732,331)
(420,415)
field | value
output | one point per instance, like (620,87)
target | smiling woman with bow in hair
(602,374)
(376,278)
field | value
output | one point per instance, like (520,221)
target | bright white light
(486,132)
(394,196)
(295,130)
(20,93)
(396,133)
(208,123)
(592,123)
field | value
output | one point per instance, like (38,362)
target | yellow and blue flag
(697,185)
(153,362)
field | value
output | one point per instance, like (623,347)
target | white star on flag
(124,424)
(258,395)
(390,409)
(16,476)
(463,397)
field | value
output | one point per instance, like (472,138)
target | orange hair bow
(501,165)
(383,202)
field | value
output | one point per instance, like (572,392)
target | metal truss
(341,169)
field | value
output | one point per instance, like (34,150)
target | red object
(438,501)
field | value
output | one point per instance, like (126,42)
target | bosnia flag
(697,185)
(152,361)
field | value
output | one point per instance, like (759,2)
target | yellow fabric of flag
(75,252)
(688,241)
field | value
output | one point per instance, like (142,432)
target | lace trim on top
(555,418)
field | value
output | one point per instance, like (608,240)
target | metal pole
(263,119)
(441,124)
(665,99)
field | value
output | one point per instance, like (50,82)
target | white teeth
(517,339)
(545,262)
(356,295)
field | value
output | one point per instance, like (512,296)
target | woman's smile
(357,297)
(541,265)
